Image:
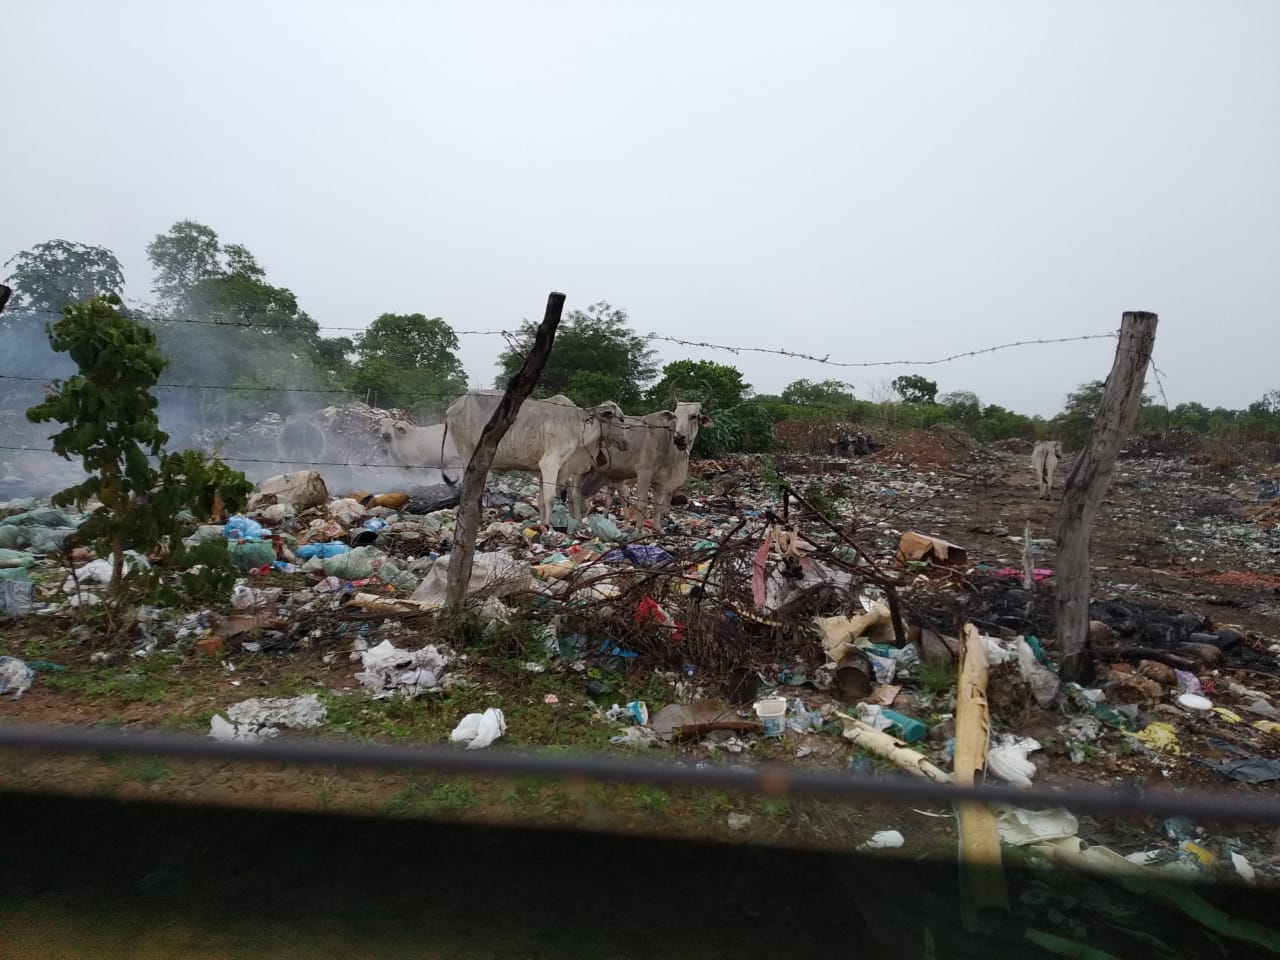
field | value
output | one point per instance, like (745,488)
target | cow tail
(444,435)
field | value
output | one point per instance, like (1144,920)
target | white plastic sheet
(388,670)
(478,730)
(259,717)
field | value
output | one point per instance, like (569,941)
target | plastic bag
(478,730)
(355,564)
(404,581)
(322,550)
(15,676)
(604,528)
(1009,762)
(242,528)
(346,511)
(251,554)
(17,593)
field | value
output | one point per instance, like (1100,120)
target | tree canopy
(408,360)
(913,388)
(688,376)
(58,273)
(594,350)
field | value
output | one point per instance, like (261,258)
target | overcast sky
(865,180)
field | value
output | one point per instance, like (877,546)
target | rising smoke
(253,397)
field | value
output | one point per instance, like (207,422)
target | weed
(149,770)
(453,796)
(773,808)
(937,675)
(651,798)
(816,494)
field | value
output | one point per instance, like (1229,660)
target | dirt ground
(1167,536)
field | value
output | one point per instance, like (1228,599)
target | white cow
(1044,461)
(656,457)
(410,446)
(551,437)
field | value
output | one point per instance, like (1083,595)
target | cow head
(686,419)
(612,423)
(389,429)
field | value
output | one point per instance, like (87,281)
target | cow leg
(549,471)
(661,505)
(640,493)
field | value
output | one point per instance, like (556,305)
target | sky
(864,181)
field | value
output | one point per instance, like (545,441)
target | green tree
(688,376)
(109,415)
(1078,412)
(58,273)
(913,388)
(595,340)
(1193,417)
(225,326)
(833,394)
(334,354)
(408,360)
(187,255)
(962,405)
(414,342)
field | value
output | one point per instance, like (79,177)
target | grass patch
(650,798)
(148,770)
(937,676)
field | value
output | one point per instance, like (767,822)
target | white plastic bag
(1009,762)
(478,730)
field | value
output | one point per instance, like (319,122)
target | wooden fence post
(1087,486)
(518,389)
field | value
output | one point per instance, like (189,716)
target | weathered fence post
(518,389)
(1087,485)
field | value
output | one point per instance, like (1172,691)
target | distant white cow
(656,457)
(1044,461)
(410,446)
(553,438)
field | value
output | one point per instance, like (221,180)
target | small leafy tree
(914,388)
(597,340)
(688,376)
(110,423)
(57,273)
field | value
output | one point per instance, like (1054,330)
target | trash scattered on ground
(1008,759)
(884,840)
(478,730)
(16,676)
(252,720)
(739,821)
(388,671)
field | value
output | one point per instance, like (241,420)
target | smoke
(28,364)
(253,396)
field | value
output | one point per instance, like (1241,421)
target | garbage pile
(821,618)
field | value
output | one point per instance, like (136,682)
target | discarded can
(773,714)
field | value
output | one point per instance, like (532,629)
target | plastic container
(772,712)
(909,729)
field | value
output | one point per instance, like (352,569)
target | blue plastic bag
(242,528)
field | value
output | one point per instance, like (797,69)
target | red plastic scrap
(649,610)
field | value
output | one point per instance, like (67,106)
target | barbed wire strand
(514,336)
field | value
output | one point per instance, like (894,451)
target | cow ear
(668,415)
(401,428)
(705,420)
(606,414)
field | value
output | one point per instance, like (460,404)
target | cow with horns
(656,457)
